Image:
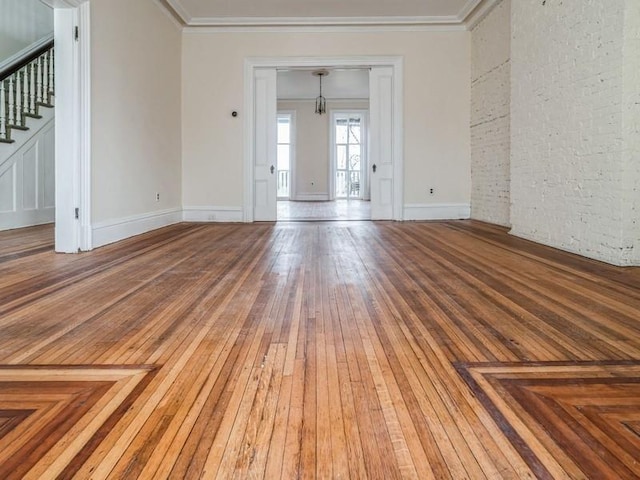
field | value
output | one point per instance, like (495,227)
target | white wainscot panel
(27,180)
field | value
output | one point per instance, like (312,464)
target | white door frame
(364,151)
(73,125)
(252,63)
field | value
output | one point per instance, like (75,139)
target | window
(284,155)
(348,155)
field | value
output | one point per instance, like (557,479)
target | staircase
(27,139)
(26,85)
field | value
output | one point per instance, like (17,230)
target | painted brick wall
(631,128)
(572,173)
(490,116)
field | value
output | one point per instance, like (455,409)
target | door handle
(374,168)
(272,169)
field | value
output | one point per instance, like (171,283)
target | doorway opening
(380,178)
(347,192)
(330,184)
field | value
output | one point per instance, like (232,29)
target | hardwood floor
(353,209)
(317,350)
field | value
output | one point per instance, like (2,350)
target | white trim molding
(169,13)
(212,214)
(28,173)
(437,211)
(180,10)
(208,30)
(23,136)
(112,231)
(73,128)
(478,13)
(322,21)
(84,127)
(471,11)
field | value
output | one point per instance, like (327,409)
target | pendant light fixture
(321,102)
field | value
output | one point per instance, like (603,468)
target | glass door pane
(348,133)
(284,155)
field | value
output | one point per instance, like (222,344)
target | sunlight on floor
(324,211)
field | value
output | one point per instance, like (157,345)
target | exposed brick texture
(631,128)
(490,116)
(574,126)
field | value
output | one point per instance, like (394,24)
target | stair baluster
(45,78)
(39,80)
(19,117)
(32,90)
(24,88)
(51,73)
(3,115)
(11,104)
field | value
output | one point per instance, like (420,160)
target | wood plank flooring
(445,350)
(341,209)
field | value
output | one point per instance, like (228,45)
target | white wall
(136,137)
(436,109)
(631,129)
(574,142)
(312,141)
(22,22)
(490,116)
(27,180)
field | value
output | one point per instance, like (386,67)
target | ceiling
(339,84)
(325,12)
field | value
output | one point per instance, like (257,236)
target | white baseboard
(112,231)
(311,197)
(437,211)
(115,230)
(212,214)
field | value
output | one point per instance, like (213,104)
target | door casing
(252,64)
(73,126)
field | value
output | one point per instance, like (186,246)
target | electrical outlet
(157,197)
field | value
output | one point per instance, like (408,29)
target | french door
(349,149)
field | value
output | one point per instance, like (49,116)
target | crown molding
(468,9)
(479,12)
(471,13)
(169,13)
(180,10)
(321,21)
(324,29)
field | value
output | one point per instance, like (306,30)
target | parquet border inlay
(573,418)
(55,416)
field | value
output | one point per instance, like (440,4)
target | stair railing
(26,85)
